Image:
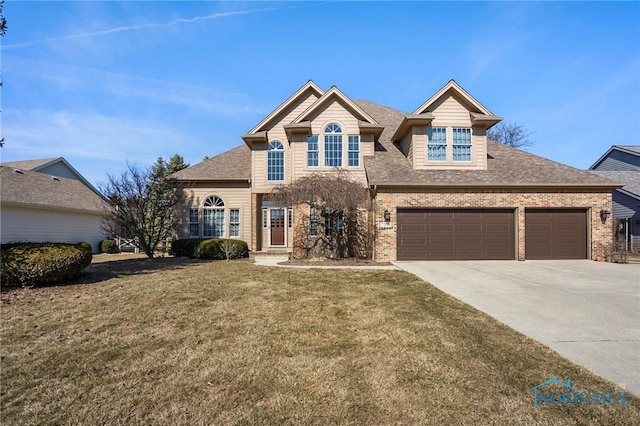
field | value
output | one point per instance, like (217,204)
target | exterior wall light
(604,215)
(387,215)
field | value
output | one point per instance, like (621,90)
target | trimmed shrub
(222,248)
(109,247)
(32,264)
(210,248)
(234,249)
(85,246)
(185,247)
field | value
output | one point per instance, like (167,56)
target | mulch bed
(323,261)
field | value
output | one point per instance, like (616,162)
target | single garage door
(455,234)
(555,234)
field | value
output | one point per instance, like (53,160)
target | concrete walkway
(272,260)
(589,312)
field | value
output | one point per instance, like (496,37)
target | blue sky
(103,83)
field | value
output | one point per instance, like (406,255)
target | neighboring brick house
(440,189)
(621,163)
(47,200)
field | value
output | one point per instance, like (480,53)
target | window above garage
(448,144)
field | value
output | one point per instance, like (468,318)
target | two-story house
(440,189)
(621,163)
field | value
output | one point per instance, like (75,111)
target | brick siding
(599,234)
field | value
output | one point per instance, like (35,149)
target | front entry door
(277,227)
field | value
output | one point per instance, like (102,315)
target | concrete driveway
(589,312)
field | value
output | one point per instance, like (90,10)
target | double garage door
(489,234)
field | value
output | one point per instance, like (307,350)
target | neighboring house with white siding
(48,201)
(622,164)
(439,188)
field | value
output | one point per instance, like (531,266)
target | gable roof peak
(628,149)
(453,85)
(309,86)
(360,113)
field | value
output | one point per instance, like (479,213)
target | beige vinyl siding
(277,132)
(299,157)
(406,146)
(44,225)
(367,146)
(234,195)
(450,112)
(335,112)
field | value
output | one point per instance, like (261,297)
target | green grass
(173,341)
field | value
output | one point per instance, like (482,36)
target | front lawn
(175,341)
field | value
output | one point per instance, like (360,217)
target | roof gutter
(409,121)
(498,186)
(97,212)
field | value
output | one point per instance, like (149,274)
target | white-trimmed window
(234,222)
(461,144)
(194,223)
(312,151)
(275,161)
(354,150)
(437,144)
(333,145)
(213,217)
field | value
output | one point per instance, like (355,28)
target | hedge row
(30,264)
(210,248)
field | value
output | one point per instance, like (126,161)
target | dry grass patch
(173,341)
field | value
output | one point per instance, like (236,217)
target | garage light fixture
(604,215)
(387,215)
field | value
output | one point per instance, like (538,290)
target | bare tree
(142,205)
(334,214)
(3,20)
(514,135)
(229,248)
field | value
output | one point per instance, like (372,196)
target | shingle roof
(30,164)
(36,189)
(234,164)
(630,178)
(389,166)
(506,166)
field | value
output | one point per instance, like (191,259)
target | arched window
(213,217)
(275,161)
(333,145)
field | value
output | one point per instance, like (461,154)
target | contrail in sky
(140,27)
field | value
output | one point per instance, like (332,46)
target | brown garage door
(455,234)
(555,234)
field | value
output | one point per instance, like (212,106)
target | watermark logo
(569,396)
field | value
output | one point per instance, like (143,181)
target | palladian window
(213,217)
(333,145)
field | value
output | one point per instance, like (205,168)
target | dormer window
(446,144)
(437,144)
(333,145)
(461,144)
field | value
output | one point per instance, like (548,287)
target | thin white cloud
(118,86)
(40,133)
(139,27)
